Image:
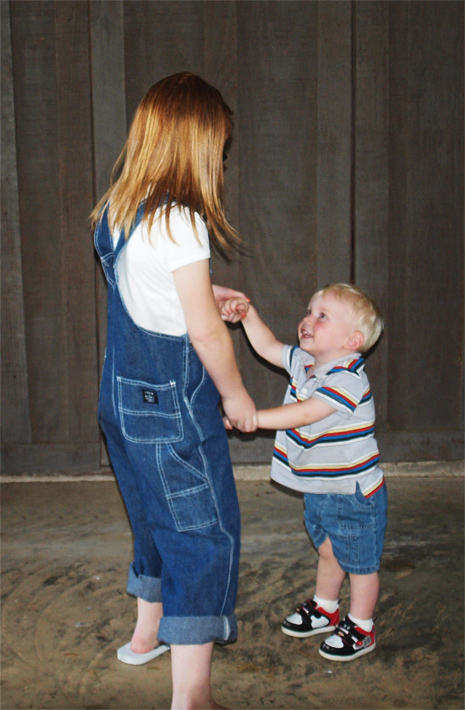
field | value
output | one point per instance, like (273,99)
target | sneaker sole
(369,649)
(306,634)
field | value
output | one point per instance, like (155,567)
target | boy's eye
(322,316)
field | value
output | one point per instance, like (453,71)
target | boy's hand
(224,293)
(234,309)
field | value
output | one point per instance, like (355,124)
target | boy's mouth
(305,334)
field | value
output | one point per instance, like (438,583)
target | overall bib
(158,409)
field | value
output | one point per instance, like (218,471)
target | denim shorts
(354,524)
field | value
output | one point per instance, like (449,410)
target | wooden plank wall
(347,163)
(52,106)
(16,427)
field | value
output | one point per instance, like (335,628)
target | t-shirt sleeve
(186,248)
(342,390)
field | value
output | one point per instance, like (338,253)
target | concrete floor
(65,612)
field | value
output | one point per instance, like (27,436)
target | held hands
(240,412)
(235,309)
(224,293)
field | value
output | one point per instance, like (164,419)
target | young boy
(325,447)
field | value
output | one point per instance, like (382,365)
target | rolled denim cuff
(188,630)
(146,588)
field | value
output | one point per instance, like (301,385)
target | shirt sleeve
(342,390)
(186,248)
(288,357)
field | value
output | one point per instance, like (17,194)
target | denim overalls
(158,408)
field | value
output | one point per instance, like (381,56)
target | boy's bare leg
(330,574)
(145,636)
(191,669)
(364,590)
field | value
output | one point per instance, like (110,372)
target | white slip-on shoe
(127,655)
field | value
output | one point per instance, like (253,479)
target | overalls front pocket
(149,413)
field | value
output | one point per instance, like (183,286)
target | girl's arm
(292,416)
(212,342)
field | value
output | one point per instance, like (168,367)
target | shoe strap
(346,628)
(308,607)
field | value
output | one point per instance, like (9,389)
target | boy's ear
(355,341)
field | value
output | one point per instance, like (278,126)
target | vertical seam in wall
(66,277)
(98,338)
(94,182)
(353,146)
(94,190)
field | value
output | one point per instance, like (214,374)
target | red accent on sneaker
(367,639)
(333,617)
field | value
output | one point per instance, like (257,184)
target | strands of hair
(173,159)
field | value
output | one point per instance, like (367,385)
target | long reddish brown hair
(173,158)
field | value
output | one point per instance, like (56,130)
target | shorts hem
(350,569)
(319,544)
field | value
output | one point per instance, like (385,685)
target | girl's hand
(223,293)
(240,412)
(234,309)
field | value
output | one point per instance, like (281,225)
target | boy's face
(327,329)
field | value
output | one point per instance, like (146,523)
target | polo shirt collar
(320,371)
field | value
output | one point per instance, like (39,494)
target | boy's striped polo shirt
(332,455)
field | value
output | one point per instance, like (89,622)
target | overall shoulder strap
(122,237)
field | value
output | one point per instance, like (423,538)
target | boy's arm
(292,416)
(260,336)
(262,339)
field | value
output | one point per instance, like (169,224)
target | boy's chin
(306,346)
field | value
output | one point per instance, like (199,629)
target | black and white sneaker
(348,642)
(309,619)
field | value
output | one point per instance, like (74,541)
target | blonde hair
(174,157)
(365,312)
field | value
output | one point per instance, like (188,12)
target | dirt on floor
(66,549)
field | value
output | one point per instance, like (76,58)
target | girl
(169,359)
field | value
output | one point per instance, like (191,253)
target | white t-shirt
(145,266)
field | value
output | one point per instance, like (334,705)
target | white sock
(365,624)
(326,604)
